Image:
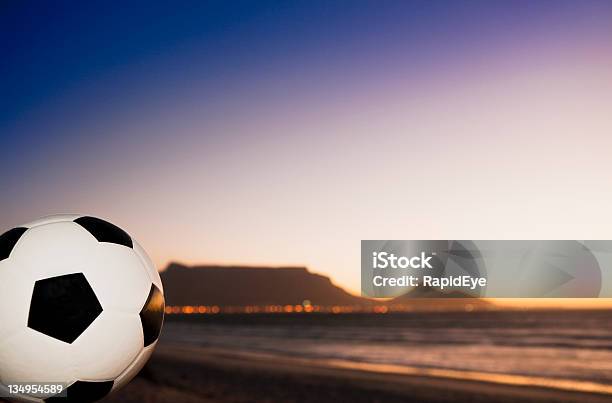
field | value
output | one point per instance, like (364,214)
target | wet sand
(192,374)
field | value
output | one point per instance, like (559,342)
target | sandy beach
(192,374)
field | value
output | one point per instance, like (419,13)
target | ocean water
(567,349)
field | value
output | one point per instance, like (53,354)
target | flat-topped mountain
(245,285)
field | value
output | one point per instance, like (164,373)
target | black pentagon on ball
(104,231)
(83,392)
(63,307)
(152,315)
(8,241)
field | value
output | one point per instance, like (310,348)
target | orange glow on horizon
(436,305)
(567,303)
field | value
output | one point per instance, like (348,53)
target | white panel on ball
(149,266)
(35,357)
(100,357)
(118,277)
(16,286)
(135,367)
(54,250)
(50,219)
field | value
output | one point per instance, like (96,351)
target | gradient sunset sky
(283,133)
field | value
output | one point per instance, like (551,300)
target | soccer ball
(81,304)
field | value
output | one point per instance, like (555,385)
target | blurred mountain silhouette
(245,285)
